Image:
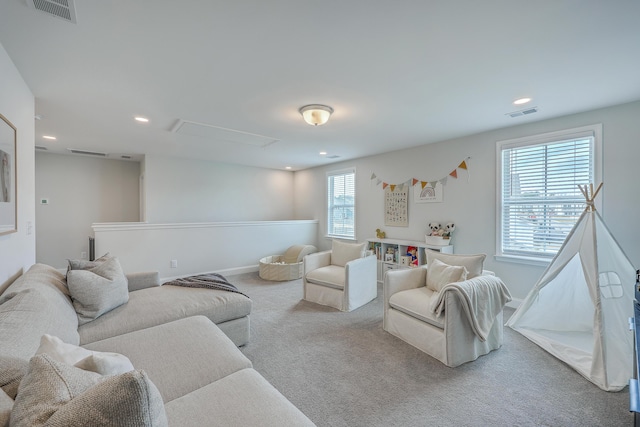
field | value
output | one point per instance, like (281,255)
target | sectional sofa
(188,371)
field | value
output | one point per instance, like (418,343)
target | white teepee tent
(579,309)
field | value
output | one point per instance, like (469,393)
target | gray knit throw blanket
(208,281)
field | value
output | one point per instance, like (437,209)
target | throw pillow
(85,264)
(57,394)
(440,274)
(97,290)
(473,263)
(12,369)
(342,253)
(6,405)
(100,362)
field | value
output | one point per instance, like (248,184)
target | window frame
(594,131)
(329,206)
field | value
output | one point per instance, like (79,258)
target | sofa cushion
(342,253)
(162,304)
(103,363)
(12,369)
(38,276)
(440,274)
(97,290)
(179,356)
(31,313)
(473,263)
(332,276)
(416,303)
(227,401)
(56,394)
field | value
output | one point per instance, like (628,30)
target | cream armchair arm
(361,271)
(316,260)
(401,280)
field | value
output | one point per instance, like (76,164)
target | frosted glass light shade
(316,114)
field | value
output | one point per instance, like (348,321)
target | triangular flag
(463,165)
(414,181)
(384,185)
(393,187)
(424,184)
(443,181)
(373,175)
(433,184)
(454,173)
(378,183)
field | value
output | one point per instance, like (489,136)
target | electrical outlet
(83,255)
(174,263)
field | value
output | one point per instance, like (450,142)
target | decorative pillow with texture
(342,253)
(12,369)
(84,264)
(440,274)
(57,394)
(97,290)
(473,263)
(100,362)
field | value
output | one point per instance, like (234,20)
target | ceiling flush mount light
(521,101)
(316,114)
(142,119)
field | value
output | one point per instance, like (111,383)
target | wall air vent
(525,112)
(87,153)
(63,9)
(41,148)
(125,157)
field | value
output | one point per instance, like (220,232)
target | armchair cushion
(342,253)
(416,303)
(440,274)
(332,276)
(473,263)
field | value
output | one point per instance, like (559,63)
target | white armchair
(452,322)
(344,277)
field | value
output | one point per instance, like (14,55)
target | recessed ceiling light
(48,137)
(521,101)
(323,153)
(142,119)
(288,167)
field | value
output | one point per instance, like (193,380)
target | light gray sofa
(167,332)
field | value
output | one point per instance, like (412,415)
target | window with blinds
(341,204)
(540,201)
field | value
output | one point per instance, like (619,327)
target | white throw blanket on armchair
(482,298)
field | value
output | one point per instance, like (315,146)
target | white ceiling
(398,73)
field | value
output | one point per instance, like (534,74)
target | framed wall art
(396,211)
(429,193)
(8,175)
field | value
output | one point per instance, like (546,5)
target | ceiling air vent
(523,112)
(63,9)
(87,153)
(40,147)
(333,156)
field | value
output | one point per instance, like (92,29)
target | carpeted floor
(342,369)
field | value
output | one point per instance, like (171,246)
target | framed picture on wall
(8,175)
(428,193)
(396,212)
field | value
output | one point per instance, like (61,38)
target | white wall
(470,200)
(81,191)
(183,190)
(226,247)
(18,250)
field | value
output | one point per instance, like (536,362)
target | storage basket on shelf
(287,266)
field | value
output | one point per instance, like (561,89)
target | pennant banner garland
(414,181)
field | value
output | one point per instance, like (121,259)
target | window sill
(330,237)
(538,262)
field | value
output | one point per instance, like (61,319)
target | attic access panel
(219,134)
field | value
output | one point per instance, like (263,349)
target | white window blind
(341,197)
(540,198)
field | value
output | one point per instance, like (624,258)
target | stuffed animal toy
(380,234)
(448,229)
(435,228)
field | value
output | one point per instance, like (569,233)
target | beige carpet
(342,369)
